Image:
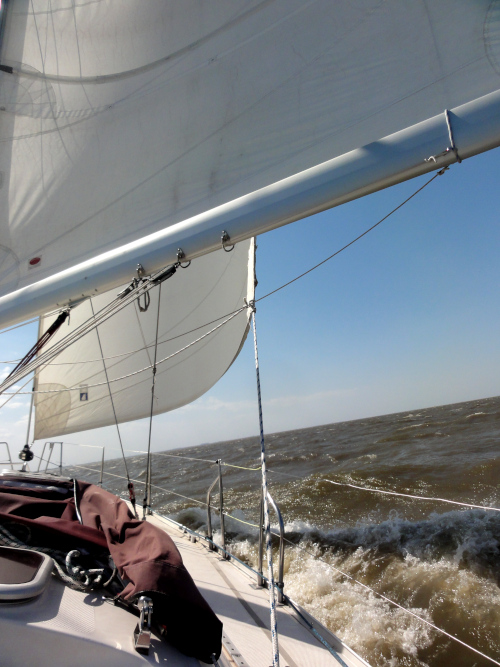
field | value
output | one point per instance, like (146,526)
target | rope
(407,495)
(394,493)
(16,393)
(248,523)
(144,452)
(82,580)
(267,524)
(139,349)
(177,456)
(154,486)
(121,301)
(35,319)
(316,633)
(47,461)
(148,285)
(146,503)
(130,484)
(316,266)
(146,368)
(230,465)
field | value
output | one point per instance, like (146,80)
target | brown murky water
(440,561)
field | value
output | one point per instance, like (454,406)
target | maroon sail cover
(147,559)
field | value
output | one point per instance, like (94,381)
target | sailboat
(146,144)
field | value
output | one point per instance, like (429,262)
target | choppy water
(441,562)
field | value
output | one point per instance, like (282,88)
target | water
(440,561)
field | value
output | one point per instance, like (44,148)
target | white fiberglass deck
(66,627)
(243,608)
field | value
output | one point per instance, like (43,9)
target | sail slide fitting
(180,257)
(224,239)
(452,147)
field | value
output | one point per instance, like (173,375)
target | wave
(435,568)
(469,538)
(466,538)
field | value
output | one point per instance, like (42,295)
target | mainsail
(106,374)
(176,121)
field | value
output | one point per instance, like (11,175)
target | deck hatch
(23,574)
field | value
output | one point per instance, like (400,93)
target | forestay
(214,286)
(121,119)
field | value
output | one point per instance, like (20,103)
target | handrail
(209,515)
(51,449)
(221,512)
(51,444)
(281,560)
(8,454)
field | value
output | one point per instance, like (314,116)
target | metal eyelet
(224,239)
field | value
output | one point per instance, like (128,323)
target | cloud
(13,405)
(211,403)
(293,400)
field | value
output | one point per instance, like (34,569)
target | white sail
(212,288)
(118,120)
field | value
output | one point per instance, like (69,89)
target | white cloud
(211,403)
(294,400)
(13,405)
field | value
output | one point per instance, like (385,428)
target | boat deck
(243,608)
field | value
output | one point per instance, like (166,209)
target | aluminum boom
(391,160)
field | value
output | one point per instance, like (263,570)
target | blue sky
(406,318)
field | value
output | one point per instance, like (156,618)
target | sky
(408,317)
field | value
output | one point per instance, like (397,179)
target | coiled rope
(74,576)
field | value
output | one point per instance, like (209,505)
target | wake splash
(468,539)
(444,568)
